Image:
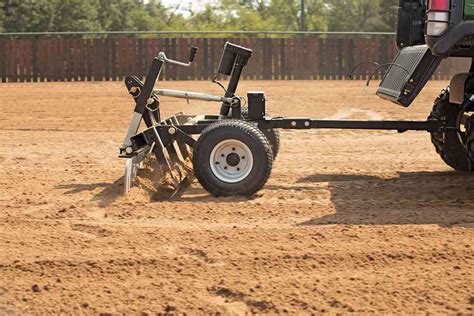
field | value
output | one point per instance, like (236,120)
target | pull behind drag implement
(232,152)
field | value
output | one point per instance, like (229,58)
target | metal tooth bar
(182,147)
(171,149)
(160,153)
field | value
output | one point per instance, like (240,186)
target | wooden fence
(315,57)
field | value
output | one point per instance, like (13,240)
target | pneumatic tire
(470,141)
(232,157)
(272,135)
(448,144)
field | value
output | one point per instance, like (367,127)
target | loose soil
(350,221)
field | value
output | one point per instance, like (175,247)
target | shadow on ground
(442,198)
(110,192)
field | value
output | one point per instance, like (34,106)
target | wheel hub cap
(231,161)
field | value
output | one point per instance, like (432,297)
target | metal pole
(233,83)
(189,95)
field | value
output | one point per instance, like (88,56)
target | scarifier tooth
(173,162)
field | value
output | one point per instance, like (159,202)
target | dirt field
(367,222)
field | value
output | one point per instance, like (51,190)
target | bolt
(306,124)
(133,89)
(129,150)
(150,101)
(293,123)
(172,130)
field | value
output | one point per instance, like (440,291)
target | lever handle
(192,53)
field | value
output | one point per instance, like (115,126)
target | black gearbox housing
(256,107)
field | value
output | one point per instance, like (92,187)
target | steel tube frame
(189,95)
(182,132)
(169,133)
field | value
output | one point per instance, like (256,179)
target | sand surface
(350,221)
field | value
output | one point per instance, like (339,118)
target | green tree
(388,16)
(287,15)
(130,15)
(163,18)
(76,15)
(361,15)
(124,15)
(2,15)
(28,15)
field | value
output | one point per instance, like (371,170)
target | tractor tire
(448,144)
(232,157)
(272,135)
(470,142)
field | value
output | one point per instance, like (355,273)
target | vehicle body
(428,32)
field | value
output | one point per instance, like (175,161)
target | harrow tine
(171,149)
(172,167)
(132,165)
(185,152)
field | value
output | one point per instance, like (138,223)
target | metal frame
(147,103)
(161,136)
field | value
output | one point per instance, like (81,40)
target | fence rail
(291,58)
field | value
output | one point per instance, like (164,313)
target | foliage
(140,15)
(28,15)
(368,15)
(75,15)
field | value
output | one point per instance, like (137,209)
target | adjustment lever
(192,54)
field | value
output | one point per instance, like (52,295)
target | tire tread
(470,142)
(247,128)
(448,144)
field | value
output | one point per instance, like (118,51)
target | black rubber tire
(272,135)
(245,132)
(448,144)
(470,141)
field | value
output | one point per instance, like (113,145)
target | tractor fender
(458,87)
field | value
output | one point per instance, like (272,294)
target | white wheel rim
(231,161)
